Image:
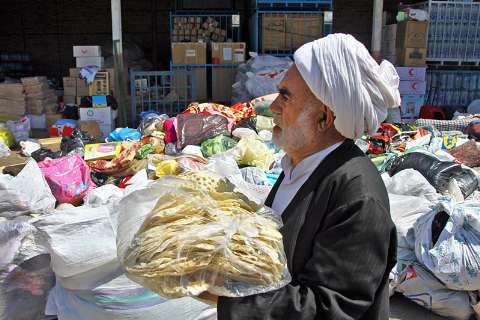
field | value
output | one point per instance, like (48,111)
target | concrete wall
(49,29)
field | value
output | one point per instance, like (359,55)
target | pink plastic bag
(68,178)
(170,132)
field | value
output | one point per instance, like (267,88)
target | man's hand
(209,298)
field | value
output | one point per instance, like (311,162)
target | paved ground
(403,309)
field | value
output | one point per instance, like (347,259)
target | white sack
(424,289)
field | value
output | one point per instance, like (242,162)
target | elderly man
(339,239)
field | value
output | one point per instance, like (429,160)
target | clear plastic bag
(184,236)
(4,149)
(27,193)
(251,151)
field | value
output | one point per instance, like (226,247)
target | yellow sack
(167,168)
(7,136)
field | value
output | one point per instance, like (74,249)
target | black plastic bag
(43,153)
(437,172)
(75,143)
(249,123)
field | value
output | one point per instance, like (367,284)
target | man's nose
(275,106)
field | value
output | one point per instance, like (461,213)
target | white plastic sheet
(27,193)
(4,149)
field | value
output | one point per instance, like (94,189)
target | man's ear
(326,119)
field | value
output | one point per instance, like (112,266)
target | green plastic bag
(216,145)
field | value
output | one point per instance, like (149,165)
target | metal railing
(162,91)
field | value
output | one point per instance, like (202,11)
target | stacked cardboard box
(193,54)
(203,29)
(75,88)
(88,56)
(412,90)
(389,43)
(12,100)
(40,98)
(411,43)
(289,31)
(223,78)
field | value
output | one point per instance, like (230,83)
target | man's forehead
(293,81)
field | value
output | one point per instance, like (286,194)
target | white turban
(341,73)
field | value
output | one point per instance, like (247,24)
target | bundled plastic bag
(20,129)
(152,122)
(468,154)
(438,173)
(122,299)
(108,194)
(4,149)
(27,193)
(6,136)
(124,134)
(255,176)
(193,129)
(185,235)
(68,177)
(446,243)
(424,289)
(251,151)
(75,143)
(216,145)
(24,288)
(123,165)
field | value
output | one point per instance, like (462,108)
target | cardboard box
(69,82)
(228,52)
(87,51)
(69,91)
(37,121)
(412,87)
(90,127)
(287,31)
(99,101)
(31,81)
(74,72)
(89,61)
(50,119)
(182,85)
(389,32)
(104,117)
(412,57)
(222,81)
(411,105)
(102,151)
(12,91)
(412,34)
(100,86)
(51,143)
(69,100)
(412,73)
(36,89)
(189,53)
(389,48)
(82,88)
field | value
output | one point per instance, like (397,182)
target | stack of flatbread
(205,237)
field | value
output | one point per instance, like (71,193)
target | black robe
(340,244)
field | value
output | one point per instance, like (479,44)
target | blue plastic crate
(280,33)
(454,31)
(452,88)
(161,91)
